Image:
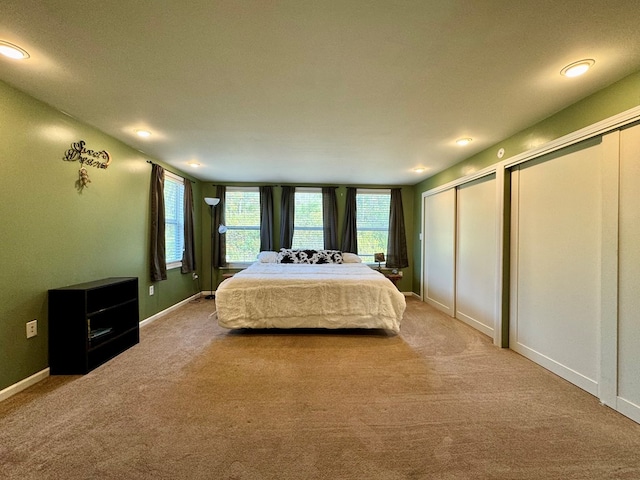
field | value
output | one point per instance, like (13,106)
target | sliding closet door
(555,260)
(476,254)
(629,275)
(439,246)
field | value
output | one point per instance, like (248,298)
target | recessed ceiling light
(143,133)
(419,169)
(463,141)
(12,51)
(578,68)
(193,164)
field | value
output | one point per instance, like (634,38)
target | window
(242,217)
(372,211)
(308,232)
(173,219)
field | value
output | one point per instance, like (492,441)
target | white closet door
(555,259)
(629,275)
(476,254)
(439,247)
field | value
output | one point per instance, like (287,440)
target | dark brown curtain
(330,218)
(158,259)
(397,246)
(266,219)
(287,213)
(189,253)
(350,231)
(218,243)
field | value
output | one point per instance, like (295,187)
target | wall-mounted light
(464,141)
(12,51)
(578,68)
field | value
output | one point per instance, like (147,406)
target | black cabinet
(91,323)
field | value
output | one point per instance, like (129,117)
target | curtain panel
(189,253)
(218,243)
(266,219)
(397,243)
(330,218)
(287,213)
(158,263)
(350,230)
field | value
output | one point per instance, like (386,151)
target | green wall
(209,190)
(53,236)
(618,97)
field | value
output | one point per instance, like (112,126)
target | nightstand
(394,277)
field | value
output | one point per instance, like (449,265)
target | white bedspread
(276,295)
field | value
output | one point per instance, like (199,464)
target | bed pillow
(350,258)
(287,255)
(268,257)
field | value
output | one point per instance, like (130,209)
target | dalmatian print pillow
(286,255)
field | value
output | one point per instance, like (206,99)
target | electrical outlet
(151,290)
(32,328)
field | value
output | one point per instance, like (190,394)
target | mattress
(277,295)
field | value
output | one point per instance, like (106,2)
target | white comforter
(276,295)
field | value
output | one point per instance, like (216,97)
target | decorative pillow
(350,258)
(309,256)
(268,257)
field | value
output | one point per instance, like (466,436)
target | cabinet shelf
(90,323)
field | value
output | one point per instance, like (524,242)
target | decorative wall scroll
(87,157)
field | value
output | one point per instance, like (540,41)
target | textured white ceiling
(315,91)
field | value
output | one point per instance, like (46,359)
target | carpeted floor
(194,401)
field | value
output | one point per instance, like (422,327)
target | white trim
(11,390)
(153,318)
(578,379)
(462,180)
(590,131)
(472,322)
(599,128)
(608,341)
(628,409)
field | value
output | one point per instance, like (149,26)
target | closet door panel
(476,254)
(556,223)
(439,250)
(629,274)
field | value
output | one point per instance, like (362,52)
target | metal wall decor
(87,157)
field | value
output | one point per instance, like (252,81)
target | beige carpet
(194,401)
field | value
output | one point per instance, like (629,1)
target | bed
(279,293)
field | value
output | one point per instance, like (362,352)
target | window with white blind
(242,217)
(372,211)
(308,229)
(173,219)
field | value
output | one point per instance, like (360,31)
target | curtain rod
(275,185)
(179,175)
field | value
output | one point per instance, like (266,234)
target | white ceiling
(313,91)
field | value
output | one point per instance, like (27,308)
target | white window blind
(308,229)
(173,218)
(372,212)
(242,217)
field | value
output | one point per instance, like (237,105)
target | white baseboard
(35,378)
(577,378)
(153,318)
(628,409)
(23,384)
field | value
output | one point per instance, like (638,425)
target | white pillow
(268,257)
(350,258)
